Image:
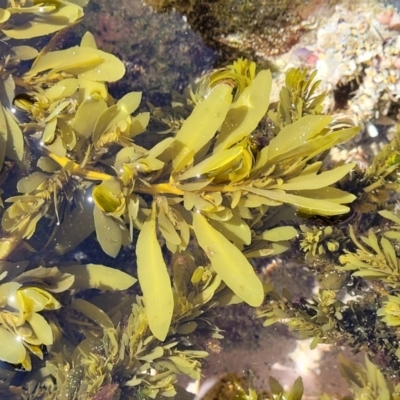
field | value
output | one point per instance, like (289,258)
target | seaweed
(233,178)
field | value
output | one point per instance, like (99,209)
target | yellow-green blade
(41,328)
(245,114)
(11,350)
(202,124)
(316,181)
(15,139)
(297,133)
(96,276)
(305,204)
(332,194)
(3,136)
(62,17)
(389,215)
(154,279)
(92,312)
(212,163)
(88,63)
(280,233)
(228,261)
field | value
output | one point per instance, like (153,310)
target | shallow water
(163,50)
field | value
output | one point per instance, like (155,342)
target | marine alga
(237,178)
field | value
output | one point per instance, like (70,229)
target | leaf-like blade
(276,387)
(4,15)
(332,194)
(15,140)
(87,115)
(235,229)
(313,181)
(108,232)
(229,263)
(154,279)
(351,371)
(376,379)
(295,135)
(94,313)
(3,136)
(303,138)
(280,233)
(95,276)
(11,350)
(31,182)
(389,215)
(41,328)
(59,18)
(139,124)
(88,40)
(296,393)
(245,113)
(167,229)
(74,229)
(130,102)
(88,63)
(202,124)
(106,120)
(313,206)
(212,163)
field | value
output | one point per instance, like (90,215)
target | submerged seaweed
(236,178)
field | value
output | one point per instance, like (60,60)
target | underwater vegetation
(233,177)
